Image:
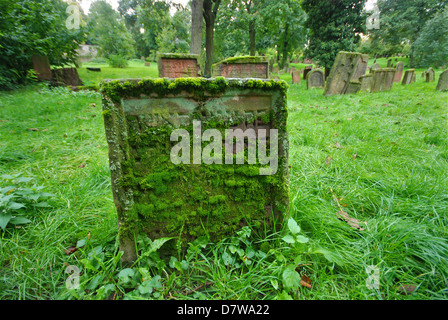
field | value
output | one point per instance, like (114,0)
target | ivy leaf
(4,219)
(293,226)
(126,275)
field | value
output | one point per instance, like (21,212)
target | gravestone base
(243,67)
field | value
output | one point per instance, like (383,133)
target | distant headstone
(174,65)
(376,66)
(347,67)
(243,67)
(365,82)
(442,85)
(399,72)
(382,80)
(177,157)
(296,76)
(430,75)
(306,70)
(409,77)
(389,63)
(315,79)
(42,67)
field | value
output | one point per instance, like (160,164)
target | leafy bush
(16,200)
(116,61)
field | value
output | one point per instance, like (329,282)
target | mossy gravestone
(175,65)
(399,72)
(176,169)
(242,67)
(315,79)
(42,67)
(382,80)
(442,85)
(347,67)
(430,75)
(409,77)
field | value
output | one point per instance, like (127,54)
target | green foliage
(30,27)
(431,47)
(334,26)
(17,200)
(116,61)
(108,31)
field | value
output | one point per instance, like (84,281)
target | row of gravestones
(348,75)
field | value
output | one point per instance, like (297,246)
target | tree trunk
(196,26)
(252,33)
(210,11)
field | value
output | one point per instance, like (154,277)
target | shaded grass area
(381,158)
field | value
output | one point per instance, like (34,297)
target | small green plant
(18,200)
(116,61)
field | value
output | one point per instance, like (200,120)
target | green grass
(383,156)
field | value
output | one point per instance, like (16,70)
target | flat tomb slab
(176,169)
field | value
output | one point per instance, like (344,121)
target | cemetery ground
(368,188)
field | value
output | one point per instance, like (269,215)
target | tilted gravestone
(347,67)
(176,169)
(442,85)
(315,79)
(382,80)
(430,75)
(242,67)
(409,77)
(399,72)
(66,77)
(174,65)
(42,67)
(296,76)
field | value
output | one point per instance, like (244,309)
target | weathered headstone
(174,65)
(399,72)
(315,79)
(382,80)
(42,67)
(306,70)
(66,77)
(365,82)
(243,67)
(348,66)
(408,77)
(389,63)
(296,76)
(442,85)
(176,170)
(430,75)
(376,66)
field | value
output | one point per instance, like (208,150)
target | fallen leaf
(305,281)
(338,145)
(349,118)
(82,165)
(406,289)
(351,221)
(355,156)
(33,129)
(328,160)
(70,250)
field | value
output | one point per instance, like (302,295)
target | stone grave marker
(376,66)
(442,85)
(399,72)
(243,67)
(365,82)
(66,77)
(42,67)
(315,79)
(176,169)
(296,76)
(174,65)
(382,80)
(430,75)
(409,77)
(347,67)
